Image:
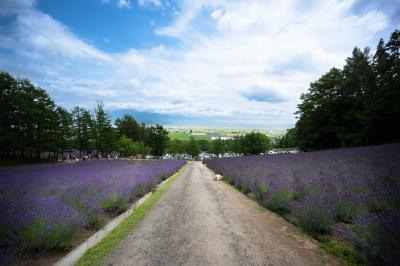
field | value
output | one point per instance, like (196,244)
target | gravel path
(200,221)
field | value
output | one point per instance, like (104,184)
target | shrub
(279,201)
(163,176)
(315,220)
(378,236)
(150,186)
(140,191)
(345,211)
(246,187)
(230,179)
(116,204)
(348,255)
(93,220)
(41,235)
(260,190)
(237,183)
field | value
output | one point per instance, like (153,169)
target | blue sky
(187,62)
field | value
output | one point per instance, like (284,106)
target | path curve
(200,221)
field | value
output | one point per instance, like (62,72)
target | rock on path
(200,221)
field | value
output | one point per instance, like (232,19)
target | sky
(205,63)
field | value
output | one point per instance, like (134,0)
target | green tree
(129,127)
(384,103)
(8,91)
(256,143)
(175,147)
(358,82)
(193,148)
(63,130)
(105,134)
(319,124)
(157,139)
(204,145)
(218,147)
(83,128)
(289,140)
(127,147)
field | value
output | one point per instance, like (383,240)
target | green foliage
(229,179)
(140,191)
(279,201)
(347,255)
(358,105)
(204,145)
(163,176)
(315,220)
(255,143)
(41,236)
(175,147)
(115,204)
(94,220)
(150,186)
(156,137)
(260,190)
(246,187)
(32,124)
(130,128)
(345,211)
(379,241)
(83,129)
(218,147)
(193,148)
(237,183)
(128,147)
(104,132)
(289,140)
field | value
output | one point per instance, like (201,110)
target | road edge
(94,252)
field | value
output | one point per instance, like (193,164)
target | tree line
(356,105)
(32,126)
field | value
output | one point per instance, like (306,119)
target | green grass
(348,256)
(179,135)
(97,254)
(186,136)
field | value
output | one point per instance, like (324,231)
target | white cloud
(156,3)
(124,3)
(39,35)
(261,49)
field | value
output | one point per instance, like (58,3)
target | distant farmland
(209,134)
(186,136)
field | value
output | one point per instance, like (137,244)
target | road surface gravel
(201,221)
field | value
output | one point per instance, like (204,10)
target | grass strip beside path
(96,254)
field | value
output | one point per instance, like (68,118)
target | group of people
(75,158)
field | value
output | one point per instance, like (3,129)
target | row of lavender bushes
(43,207)
(351,194)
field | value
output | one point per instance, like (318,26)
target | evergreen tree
(105,134)
(63,130)
(157,139)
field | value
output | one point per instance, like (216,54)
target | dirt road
(200,221)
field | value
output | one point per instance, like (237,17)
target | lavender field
(352,194)
(43,207)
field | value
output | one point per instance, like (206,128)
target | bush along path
(200,221)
